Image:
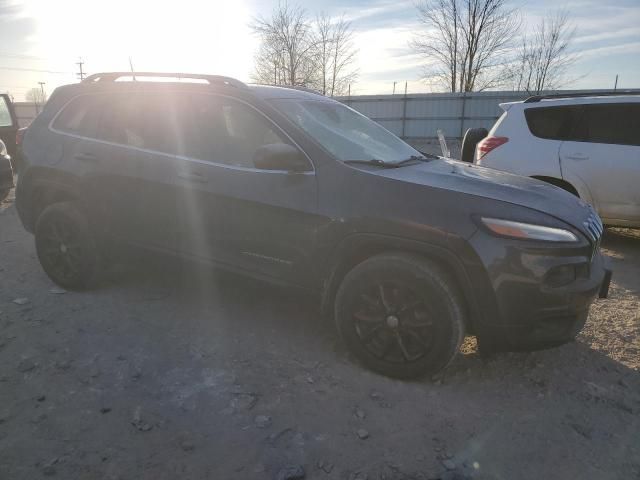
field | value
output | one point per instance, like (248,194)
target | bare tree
(465,42)
(335,55)
(36,96)
(296,51)
(544,57)
(286,44)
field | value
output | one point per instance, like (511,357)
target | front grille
(594,228)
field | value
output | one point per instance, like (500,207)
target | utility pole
(394,88)
(80,73)
(615,87)
(43,98)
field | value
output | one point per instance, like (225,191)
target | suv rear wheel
(66,247)
(400,315)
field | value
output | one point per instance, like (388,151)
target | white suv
(588,145)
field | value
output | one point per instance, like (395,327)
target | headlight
(528,231)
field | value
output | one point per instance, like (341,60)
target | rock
(375,395)
(581,430)
(243,401)
(21,301)
(140,424)
(57,291)
(448,464)
(362,434)
(359,413)
(26,365)
(262,421)
(326,467)
(291,472)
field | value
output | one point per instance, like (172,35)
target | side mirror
(280,156)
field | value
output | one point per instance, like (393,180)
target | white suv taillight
(487,144)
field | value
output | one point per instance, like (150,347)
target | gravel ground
(166,372)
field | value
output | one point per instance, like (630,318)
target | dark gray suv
(408,252)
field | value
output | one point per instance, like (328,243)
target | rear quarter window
(613,123)
(80,116)
(553,123)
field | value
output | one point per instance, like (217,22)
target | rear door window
(140,120)
(5,113)
(613,123)
(554,123)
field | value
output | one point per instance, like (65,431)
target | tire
(4,193)
(66,247)
(471,138)
(400,315)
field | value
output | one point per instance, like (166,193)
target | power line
(24,57)
(32,70)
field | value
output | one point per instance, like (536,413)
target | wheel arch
(45,193)
(558,182)
(357,248)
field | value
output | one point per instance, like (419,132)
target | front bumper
(534,307)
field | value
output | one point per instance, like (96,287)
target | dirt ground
(174,373)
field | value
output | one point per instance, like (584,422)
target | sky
(41,40)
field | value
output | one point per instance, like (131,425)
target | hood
(497,185)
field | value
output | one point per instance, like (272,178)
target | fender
(37,189)
(357,247)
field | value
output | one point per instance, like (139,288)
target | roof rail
(211,79)
(608,93)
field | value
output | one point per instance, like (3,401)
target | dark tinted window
(612,123)
(553,123)
(224,130)
(147,121)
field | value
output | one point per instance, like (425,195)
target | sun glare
(189,35)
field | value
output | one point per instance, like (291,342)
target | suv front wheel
(400,315)
(66,246)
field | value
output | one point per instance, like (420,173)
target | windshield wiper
(381,163)
(374,161)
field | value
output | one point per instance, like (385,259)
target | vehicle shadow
(622,249)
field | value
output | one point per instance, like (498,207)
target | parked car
(587,144)
(409,252)
(6,172)
(8,124)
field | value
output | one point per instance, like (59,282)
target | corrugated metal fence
(417,117)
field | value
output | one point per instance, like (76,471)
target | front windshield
(344,132)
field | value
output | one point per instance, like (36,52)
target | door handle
(193,177)
(86,157)
(577,156)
